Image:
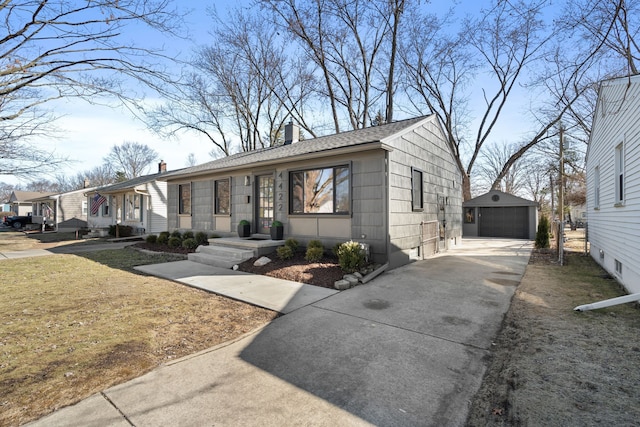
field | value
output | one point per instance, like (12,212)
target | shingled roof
(316,145)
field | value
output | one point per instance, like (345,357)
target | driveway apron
(408,349)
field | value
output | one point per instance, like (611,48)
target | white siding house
(613,181)
(140,203)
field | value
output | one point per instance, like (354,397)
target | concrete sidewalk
(278,295)
(409,348)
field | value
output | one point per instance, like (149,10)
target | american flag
(96,202)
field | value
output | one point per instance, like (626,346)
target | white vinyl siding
(613,166)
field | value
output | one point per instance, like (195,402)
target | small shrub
(174,242)
(284,252)
(336,248)
(189,243)
(315,244)
(292,243)
(152,238)
(202,238)
(350,256)
(314,253)
(187,235)
(177,234)
(163,238)
(542,235)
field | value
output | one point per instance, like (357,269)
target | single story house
(140,203)
(613,180)
(20,201)
(499,214)
(63,211)
(395,187)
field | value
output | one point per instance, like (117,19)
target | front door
(265,197)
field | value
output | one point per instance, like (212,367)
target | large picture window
(222,198)
(320,191)
(133,207)
(416,190)
(184,199)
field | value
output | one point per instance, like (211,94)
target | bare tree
(491,162)
(242,88)
(68,49)
(347,42)
(131,159)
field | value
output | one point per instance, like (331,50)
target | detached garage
(498,214)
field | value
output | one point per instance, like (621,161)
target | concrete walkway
(408,349)
(278,295)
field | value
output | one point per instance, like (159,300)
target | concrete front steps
(227,252)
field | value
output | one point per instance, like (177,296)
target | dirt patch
(553,366)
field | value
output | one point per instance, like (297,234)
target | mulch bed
(297,269)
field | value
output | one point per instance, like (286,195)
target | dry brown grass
(72,326)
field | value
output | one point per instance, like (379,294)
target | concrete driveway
(408,349)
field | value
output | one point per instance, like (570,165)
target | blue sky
(89,131)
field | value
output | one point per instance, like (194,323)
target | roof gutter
(608,302)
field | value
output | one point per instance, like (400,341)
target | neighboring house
(613,180)
(498,214)
(20,201)
(5,207)
(63,211)
(395,187)
(139,202)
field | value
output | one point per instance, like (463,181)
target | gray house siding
(381,213)
(425,150)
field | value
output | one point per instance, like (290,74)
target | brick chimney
(162,166)
(86,183)
(291,133)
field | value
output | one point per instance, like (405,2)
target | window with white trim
(133,207)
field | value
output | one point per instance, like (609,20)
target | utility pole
(561,200)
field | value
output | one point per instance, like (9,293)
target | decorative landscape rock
(342,285)
(351,278)
(262,261)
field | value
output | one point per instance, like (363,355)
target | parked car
(17,222)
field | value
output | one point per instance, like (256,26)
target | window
(619,170)
(184,199)
(596,188)
(84,208)
(133,207)
(416,190)
(470,216)
(106,211)
(320,191)
(222,197)
(618,267)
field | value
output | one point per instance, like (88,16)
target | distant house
(613,180)
(395,187)
(139,202)
(20,201)
(63,211)
(498,214)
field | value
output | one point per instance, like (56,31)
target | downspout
(57,211)
(387,202)
(609,302)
